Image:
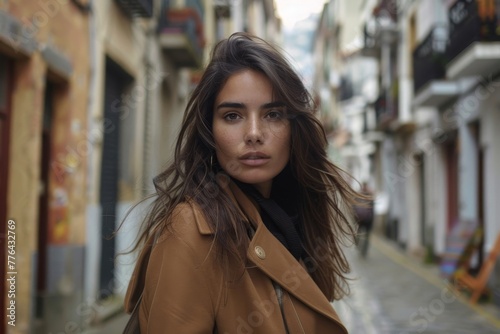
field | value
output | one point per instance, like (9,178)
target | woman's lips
(254,159)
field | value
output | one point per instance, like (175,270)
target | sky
(299,19)
(292,11)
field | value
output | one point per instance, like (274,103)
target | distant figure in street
(364,214)
(246,229)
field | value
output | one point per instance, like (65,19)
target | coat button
(260,252)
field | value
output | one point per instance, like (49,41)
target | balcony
(137,8)
(429,72)
(474,47)
(429,58)
(181,34)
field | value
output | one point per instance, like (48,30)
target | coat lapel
(267,253)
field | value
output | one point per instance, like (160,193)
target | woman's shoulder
(187,221)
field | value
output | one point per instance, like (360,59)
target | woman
(245,232)
(364,213)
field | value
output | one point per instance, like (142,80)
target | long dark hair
(324,194)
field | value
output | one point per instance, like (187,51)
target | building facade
(456,74)
(257,17)
(146,63)
(346,86)
(44,74)
(433,118)
(92,95)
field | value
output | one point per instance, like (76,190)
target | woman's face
(251,130)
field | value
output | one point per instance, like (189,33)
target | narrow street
(393,294)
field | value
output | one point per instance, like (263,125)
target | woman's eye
(275,114)
(231,116)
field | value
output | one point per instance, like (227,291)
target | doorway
(116,83)
(43,200)
(424,230)
(475,129)
(452,150)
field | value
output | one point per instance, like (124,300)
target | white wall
(350,19)
(405,71)
(435,196)
(490,140)
(430,12)
(468,174)
(412,216)
(125,239)
(237,15)
(92,253)
(394,175)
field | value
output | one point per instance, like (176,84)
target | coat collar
(265,251)
(268,254)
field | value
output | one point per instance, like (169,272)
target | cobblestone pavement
(392,294)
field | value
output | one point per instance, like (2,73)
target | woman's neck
(264,189)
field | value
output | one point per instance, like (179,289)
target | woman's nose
(254,131)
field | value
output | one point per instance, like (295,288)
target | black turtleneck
(279,212)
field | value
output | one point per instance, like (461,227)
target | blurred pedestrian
(364,213)
(245,232)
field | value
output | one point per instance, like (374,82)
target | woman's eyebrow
(235,105)
(276,104)
(238,105)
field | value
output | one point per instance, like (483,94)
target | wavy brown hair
(324,194)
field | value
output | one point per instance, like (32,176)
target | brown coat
(184,291)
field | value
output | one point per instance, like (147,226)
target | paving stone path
(394,296)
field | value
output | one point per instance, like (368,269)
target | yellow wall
(60,24)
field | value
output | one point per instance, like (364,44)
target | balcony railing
(429,58)
(181,33)
(139,8)
(471,21)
